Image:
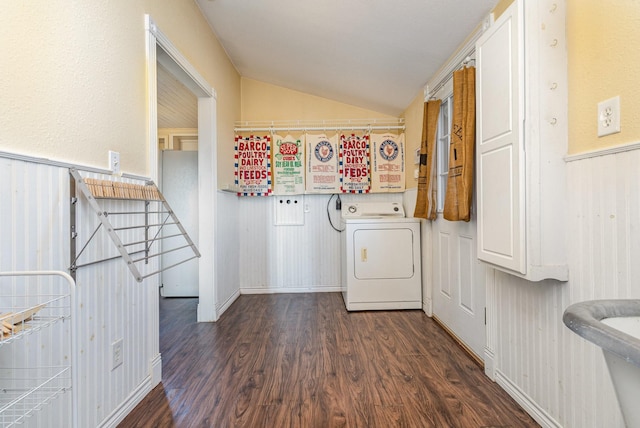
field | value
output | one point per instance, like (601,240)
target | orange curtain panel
(426,201)
(457,203)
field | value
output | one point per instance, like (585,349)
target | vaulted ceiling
(375,54)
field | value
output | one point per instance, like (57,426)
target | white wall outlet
(609,116)
(114,162)
(116,354)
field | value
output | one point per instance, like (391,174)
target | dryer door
(383,253)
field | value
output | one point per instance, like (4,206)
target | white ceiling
(375,54)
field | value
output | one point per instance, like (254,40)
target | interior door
(459,282)
(180,189)
(458,276)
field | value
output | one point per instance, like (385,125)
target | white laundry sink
(614,325)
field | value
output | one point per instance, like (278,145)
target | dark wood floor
(302,360)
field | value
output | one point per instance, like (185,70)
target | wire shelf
(53,308)
(24,391)
(37,348)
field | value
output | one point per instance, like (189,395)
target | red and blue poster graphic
(253,165)
(387,163)
(288,168)
(323,169)
(354,164)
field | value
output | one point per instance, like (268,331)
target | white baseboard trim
(427,307)
(156,370)
(128,405)
(314,289)
(205,315)
(530,406)
(221,308)
(489,364)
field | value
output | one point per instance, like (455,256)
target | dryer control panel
(373,210)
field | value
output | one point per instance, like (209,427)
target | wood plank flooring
(302,360)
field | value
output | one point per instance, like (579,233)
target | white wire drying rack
(152,221)
(37,347)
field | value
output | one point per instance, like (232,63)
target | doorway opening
(160,50)
(178,175)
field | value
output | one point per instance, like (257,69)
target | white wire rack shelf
(27,319)
(37,348)
(31,389)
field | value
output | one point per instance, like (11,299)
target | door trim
(175,62)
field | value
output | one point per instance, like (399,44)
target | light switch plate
(609,116)
(114,162)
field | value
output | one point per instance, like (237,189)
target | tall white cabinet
(521,93)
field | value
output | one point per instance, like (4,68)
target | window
(442,148)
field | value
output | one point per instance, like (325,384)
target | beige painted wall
(264,102)
(413,117)
(73,80)
(602,38)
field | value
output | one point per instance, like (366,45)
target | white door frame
(178,65)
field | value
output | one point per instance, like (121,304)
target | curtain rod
(319,128)
(449,75)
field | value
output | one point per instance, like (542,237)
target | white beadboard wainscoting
(227,250)
(293,259)
(111,305)
(556,375)
(34,208)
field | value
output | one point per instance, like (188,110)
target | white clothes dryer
(381,262)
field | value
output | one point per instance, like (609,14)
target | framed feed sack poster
(322,169)
(354,164)
(387,163)
(288,165)
(253,165)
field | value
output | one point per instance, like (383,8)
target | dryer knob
(396,209)
(352,209)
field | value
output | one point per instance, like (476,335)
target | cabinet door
(500,152)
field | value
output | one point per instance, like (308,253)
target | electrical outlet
(114,162)
(116,354)
(609,116)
